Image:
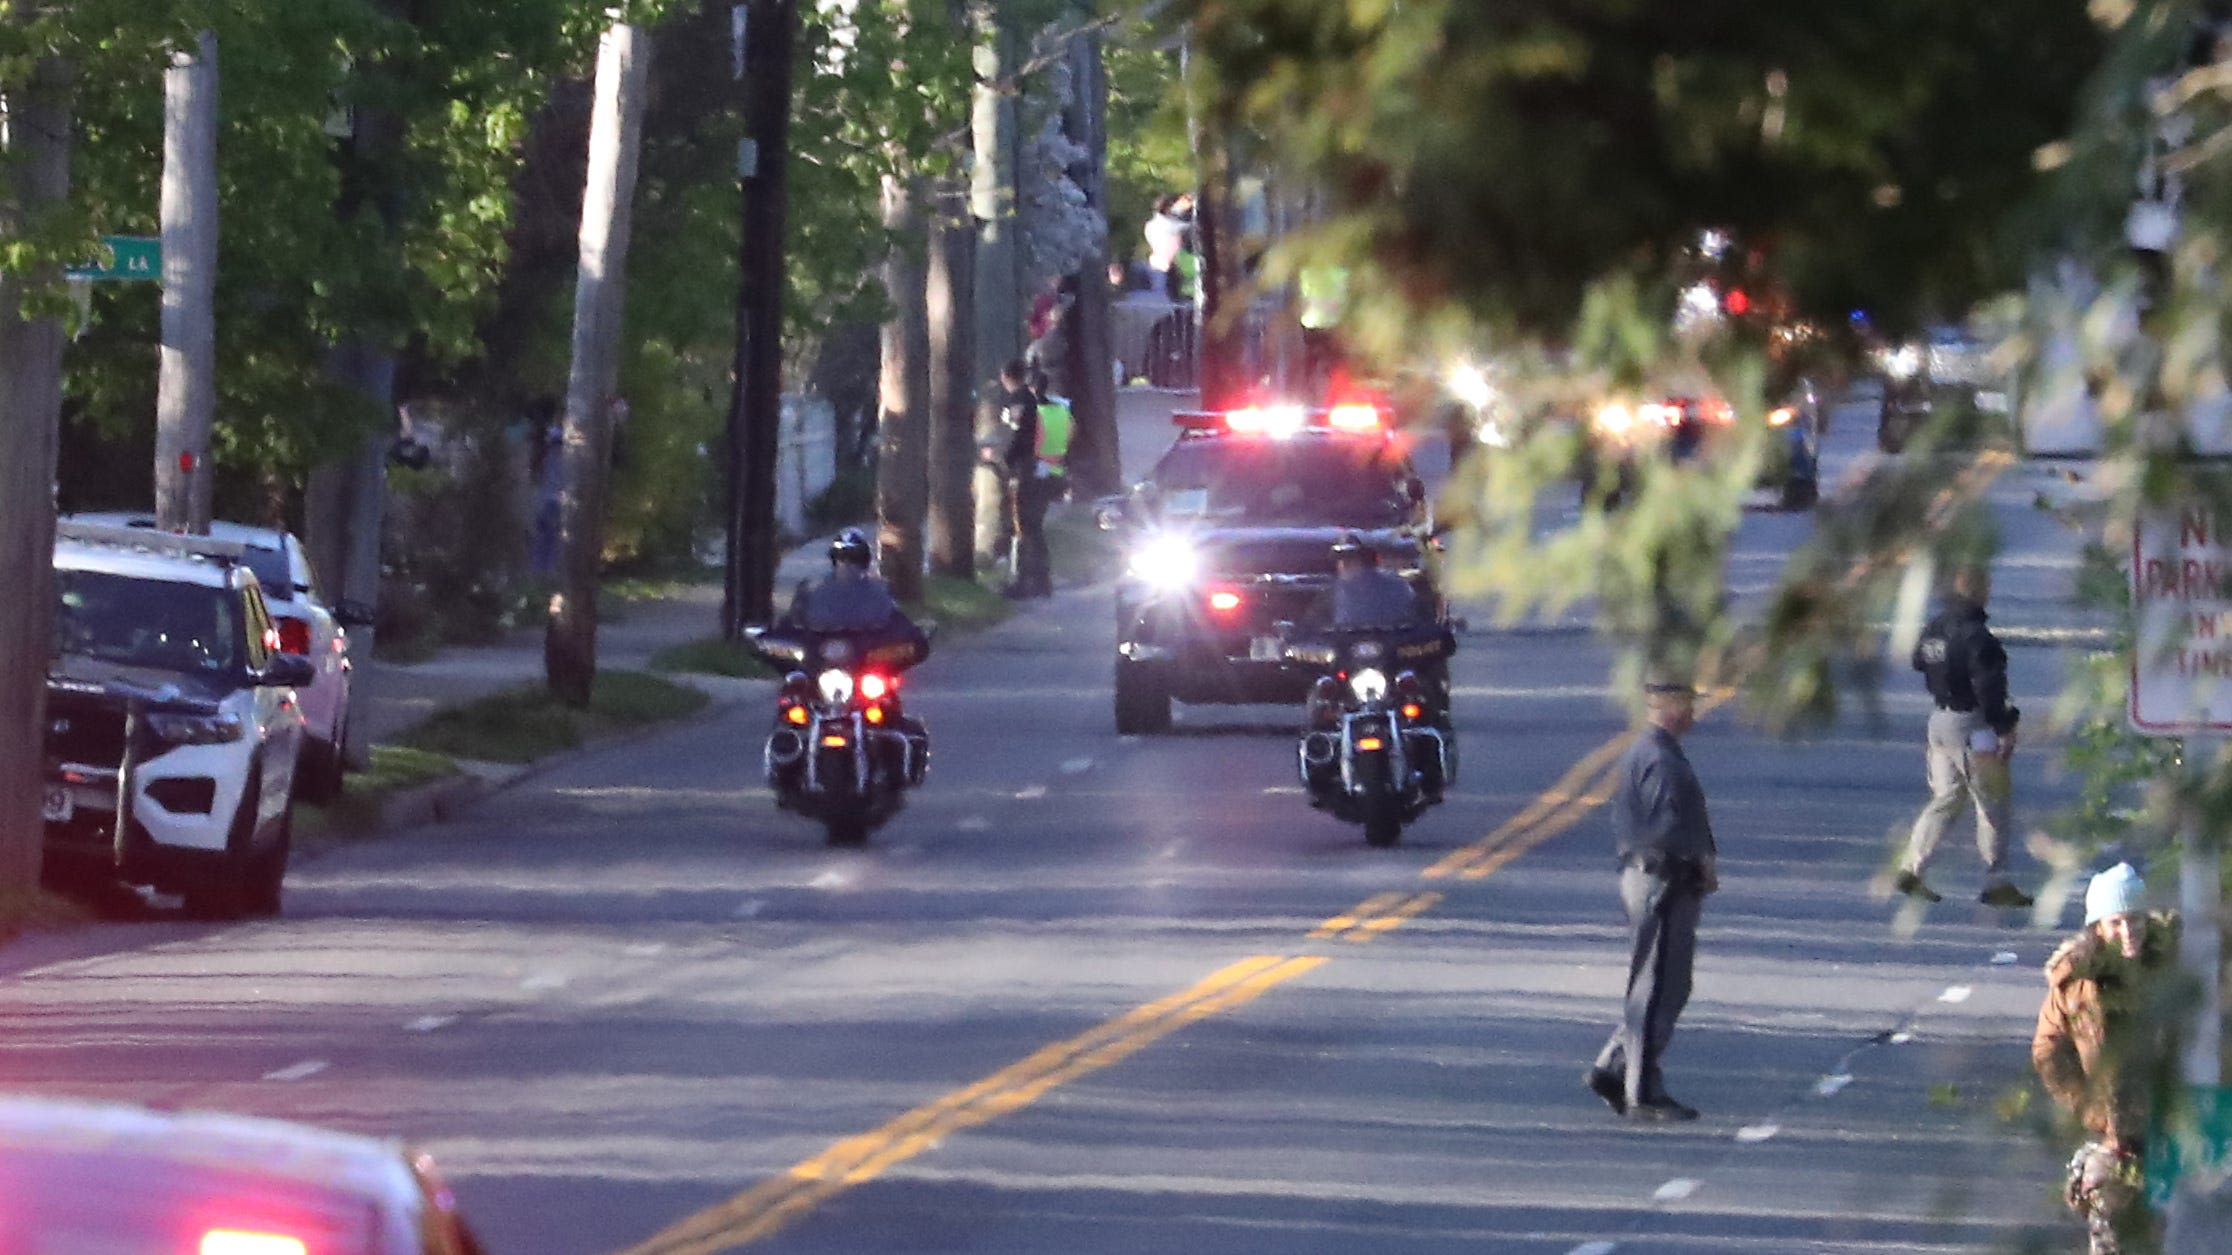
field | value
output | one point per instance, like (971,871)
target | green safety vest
(1055,425)
(1324,293)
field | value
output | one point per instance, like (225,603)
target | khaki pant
(1962,777)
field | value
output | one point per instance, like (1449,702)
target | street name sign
(2181,600)
(124,257)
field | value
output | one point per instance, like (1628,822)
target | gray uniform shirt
(1660,811)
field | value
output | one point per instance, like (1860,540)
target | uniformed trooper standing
(1971,739)
(1668,864)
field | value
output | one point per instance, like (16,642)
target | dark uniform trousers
(1663,904)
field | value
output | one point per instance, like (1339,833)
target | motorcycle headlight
(196,729)
(1369,685)
(1615,419)
(1166,562)
(1904,362)
(836,686)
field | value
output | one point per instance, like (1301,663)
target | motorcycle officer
(1365,596)
(853,602)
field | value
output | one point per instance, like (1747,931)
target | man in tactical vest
(1971,739)
(1038,461)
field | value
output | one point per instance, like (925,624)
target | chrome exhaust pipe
(785,747)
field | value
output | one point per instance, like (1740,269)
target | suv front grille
(85,731)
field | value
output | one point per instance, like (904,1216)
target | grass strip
(394,769)
(712,656)
(520,725)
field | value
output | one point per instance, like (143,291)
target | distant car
(1949,368)
(1681,427)
(173,726)
(86,1178)
(309,625)
(1232,535)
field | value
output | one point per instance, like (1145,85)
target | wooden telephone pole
(600,300)
(756,398)
(186,380)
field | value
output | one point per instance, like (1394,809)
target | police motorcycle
(1373,748)
(843,750)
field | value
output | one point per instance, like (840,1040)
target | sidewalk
(391,696)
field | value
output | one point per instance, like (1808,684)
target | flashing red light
(294,636)
(873,686)
(796,715)
(185,464)
(1224,603)
(1737,302)
(1353,416)
(238,1242)
(1370,743)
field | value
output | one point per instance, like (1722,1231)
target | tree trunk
(948,289)
(1095,463)
(600,290)
(186,381)
(903,400)
(995,135)
(30,416)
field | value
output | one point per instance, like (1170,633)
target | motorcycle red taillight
(294,636)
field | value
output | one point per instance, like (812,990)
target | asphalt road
(1100,994)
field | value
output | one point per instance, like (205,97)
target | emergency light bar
(151,540)
(1282,420)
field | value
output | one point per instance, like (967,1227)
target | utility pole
(1096,466)
(600,299)
(948,292)
(37,148)
(186,380)
(903,397)
(995,135)
(767,43)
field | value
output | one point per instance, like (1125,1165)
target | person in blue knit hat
(2105,1035)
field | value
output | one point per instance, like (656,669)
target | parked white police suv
(173,724)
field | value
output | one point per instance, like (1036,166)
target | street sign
(2181,599)
(124,257)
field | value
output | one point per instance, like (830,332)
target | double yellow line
(774,1203)
(853,1161)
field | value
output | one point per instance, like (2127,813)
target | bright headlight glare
(1469,384)
(1166,562)
(836,686)
(1615,418)
(1903,362)
(196,729)
(1369,685)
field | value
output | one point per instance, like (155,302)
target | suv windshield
(1310,481)
(161,624)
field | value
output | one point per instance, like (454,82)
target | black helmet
(1352,545)
(851,546)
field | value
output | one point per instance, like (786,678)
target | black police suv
(1228,545)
